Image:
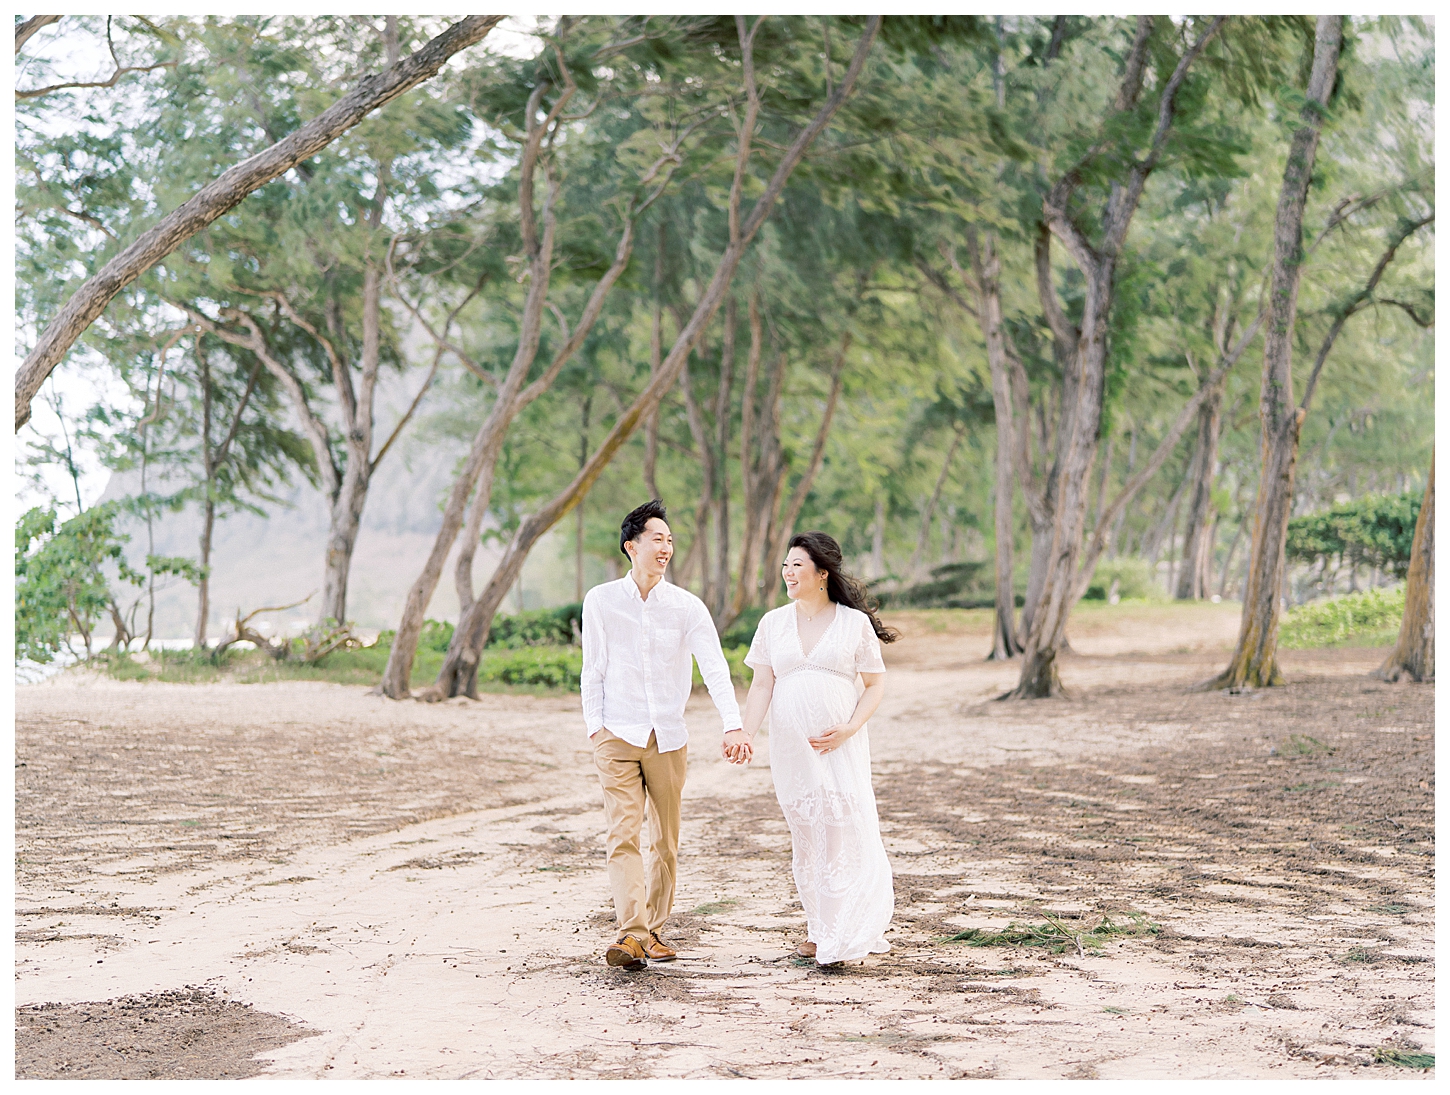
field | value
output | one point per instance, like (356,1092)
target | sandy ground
(298,880)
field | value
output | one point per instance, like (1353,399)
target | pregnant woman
(807,656)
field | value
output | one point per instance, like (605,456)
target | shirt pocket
(667,640)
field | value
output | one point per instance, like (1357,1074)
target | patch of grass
(1393,910)
(534,669)
(1316,785)
(1360,954)
(1370,618)
(1304,745)
(1117,1011)
(713,908)
(1389,1055)
(1056,935)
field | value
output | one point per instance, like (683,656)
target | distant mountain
(277,559)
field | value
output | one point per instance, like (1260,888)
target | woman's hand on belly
(832,738)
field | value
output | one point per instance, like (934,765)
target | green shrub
(539,627)
(1136,580)
(60,580)
(1371,618)
(436,636)
(549,666)
(952,585)
(1377,530)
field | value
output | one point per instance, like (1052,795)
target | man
(639,635)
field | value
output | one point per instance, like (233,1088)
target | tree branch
(226,192)
(1360,301)
(26,30)
(256,342)
(37,92)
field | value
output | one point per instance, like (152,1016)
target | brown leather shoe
(627,953)
(655,947)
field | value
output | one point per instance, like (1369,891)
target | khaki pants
(629,776)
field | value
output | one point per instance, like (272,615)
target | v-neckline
(835,615)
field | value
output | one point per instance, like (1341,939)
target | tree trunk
(208,514)
(878,542)
(761,466)
(1413,657)
(227,191)
(1196,574)
(459,674)
(1081,416)
(203,585)
(579,510)
(770,481)
(652,426)
(212,458)
(720,604)
(512,397)
(1254,662)
(352,495)
(699,539)
(987,268)
(923,533)
(785,526)
(1228,561)
(701,426)
(1115,539)
(345,519)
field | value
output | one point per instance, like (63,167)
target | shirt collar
(633,586)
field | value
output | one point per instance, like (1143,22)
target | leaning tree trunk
(1254,663)
(227,191)
(203,585)
(459,673)
(1414,655)
(476,477)
(1081,417)
(1196,573)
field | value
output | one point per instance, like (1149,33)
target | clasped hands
(736,747)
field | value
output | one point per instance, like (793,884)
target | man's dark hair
(633,526)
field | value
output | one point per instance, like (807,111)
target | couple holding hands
(639,634)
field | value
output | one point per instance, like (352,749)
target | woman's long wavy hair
(840,586)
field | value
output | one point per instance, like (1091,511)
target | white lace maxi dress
(838,859)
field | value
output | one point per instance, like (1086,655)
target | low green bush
(1135,577)
(538,627)
(546,666)
(1377,530)
(1370,618)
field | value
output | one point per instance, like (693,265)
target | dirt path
(339,886)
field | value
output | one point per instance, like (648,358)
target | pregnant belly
(807,701)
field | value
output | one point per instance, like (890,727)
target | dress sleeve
(759,656)
(868,651)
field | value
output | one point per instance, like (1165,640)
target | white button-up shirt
(637,654)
